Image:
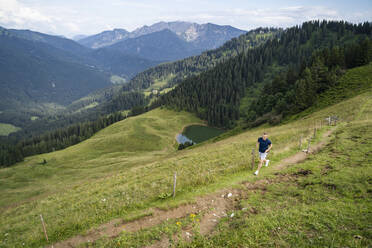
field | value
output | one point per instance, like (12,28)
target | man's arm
(268,149)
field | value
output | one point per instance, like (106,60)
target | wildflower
(179,223)
(192,216)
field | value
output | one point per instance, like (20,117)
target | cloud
(280,17)
(13,12)
(69,17)
(283,17)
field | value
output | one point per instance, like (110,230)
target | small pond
(198,134)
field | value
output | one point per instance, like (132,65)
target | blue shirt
(264,144)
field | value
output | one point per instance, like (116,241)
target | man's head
(264,136)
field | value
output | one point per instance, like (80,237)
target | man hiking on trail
(264,147)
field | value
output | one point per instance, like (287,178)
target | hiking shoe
(256,173)
(267,163)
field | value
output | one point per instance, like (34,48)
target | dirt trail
(213,207)
(301,156)
(214,202)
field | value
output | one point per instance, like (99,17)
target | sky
(73,17)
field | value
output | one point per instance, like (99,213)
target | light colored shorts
(262,155)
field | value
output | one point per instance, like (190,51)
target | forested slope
(175,72)
(312,57)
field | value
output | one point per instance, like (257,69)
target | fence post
(252,165)
(336,139)
(44,228)
(174,184)
(314,132)
(308,146)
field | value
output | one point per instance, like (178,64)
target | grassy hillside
(123,170)
(131,142)
(6,129)
(355,81)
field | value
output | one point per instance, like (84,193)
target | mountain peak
(202,36)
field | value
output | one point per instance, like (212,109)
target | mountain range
(42,73)
(202,36)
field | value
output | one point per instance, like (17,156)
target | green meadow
(127,168)
(6,129)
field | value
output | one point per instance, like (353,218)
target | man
(264,145)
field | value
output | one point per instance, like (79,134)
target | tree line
(68,130)
(215,95)
(177,71)
(55,140)
(293,91)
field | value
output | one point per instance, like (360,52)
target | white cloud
(14,14)
(11,11)
(70,17)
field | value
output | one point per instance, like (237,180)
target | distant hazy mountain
(160,45)
(79,37)
(123,64)
(201,36)
(105,38)
(38,69)
(74,50)
(34,71)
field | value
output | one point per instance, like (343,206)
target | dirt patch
(326,169)
(302,172)
(213,207)
(301,156)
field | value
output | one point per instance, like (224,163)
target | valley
(148,138)
(99,190)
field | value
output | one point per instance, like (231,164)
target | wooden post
(252,165)
(174,184)
(329,120)
(336,139)
(45,232)
(314,132)
(308,146)
(300,142)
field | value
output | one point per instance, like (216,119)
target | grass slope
(131,142)
(324,202)
(354,82)
(6,129)
(121,171)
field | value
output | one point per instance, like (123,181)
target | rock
(222,196)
